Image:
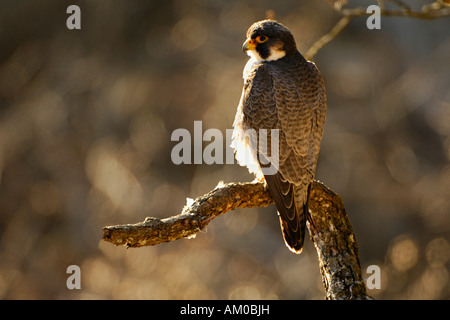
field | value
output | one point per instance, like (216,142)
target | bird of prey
(282,91)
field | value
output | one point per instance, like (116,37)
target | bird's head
(269,40)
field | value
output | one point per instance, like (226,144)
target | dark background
(86,118)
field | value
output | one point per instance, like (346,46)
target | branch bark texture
(328,223)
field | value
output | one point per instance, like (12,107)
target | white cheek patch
(275,54)
(254,55)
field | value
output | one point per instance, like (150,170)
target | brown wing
(290,98)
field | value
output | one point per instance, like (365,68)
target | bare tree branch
(428,12)
(328,223)
(194,217)
(319,44)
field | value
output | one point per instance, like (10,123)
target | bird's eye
(261,39)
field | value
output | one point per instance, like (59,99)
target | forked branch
(328,224)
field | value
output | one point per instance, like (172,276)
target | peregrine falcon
(282,91)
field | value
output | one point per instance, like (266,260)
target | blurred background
(86,118)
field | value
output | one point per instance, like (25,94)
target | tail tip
(297,249)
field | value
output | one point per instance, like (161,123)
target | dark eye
(261,39)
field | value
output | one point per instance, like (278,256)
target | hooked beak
(249,44)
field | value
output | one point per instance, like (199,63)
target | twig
(319,44)
(348,14)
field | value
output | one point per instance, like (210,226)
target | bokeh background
(86,118)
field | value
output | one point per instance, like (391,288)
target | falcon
(285,94)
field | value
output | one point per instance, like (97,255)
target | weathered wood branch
(194,217)
(328,224)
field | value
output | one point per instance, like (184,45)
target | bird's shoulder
(255,70)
